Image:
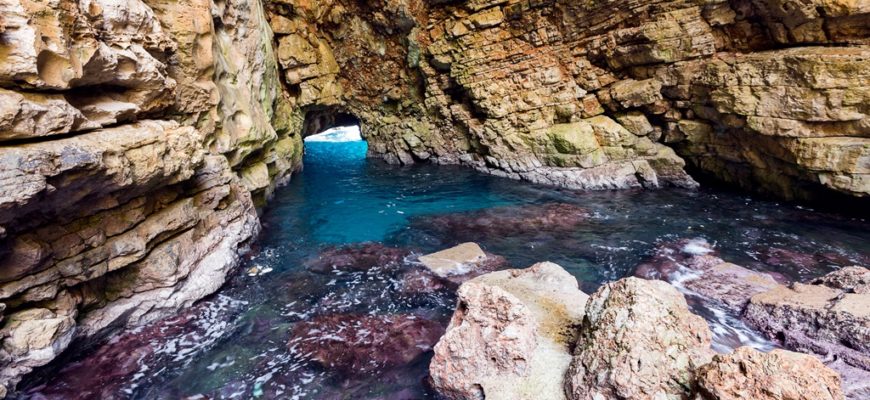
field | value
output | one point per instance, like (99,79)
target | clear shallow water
(235,344)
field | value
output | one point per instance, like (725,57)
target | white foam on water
(697,247)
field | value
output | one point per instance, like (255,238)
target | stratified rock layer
(769,96)
(136,138)
(830,317)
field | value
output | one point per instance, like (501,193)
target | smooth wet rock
(510,336)
(638,341)
(364,344)
(358,257)
(461,263)
(457,260)
(778,375)
(817,318)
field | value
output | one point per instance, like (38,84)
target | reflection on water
(238,343)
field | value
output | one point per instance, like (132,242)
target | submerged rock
(778,375)
(505,221)
(510,336)
(363,344)
(420,280)
(126,361)
(818,318)
(359,257)
(692,265)
(638,341)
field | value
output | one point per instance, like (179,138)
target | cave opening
(332,137)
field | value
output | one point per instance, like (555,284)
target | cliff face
(135,140)
(138,136)
(768,95)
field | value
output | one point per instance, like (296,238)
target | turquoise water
(237,343)
(344,198)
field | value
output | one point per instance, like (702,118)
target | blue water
(235,344)
(344,198)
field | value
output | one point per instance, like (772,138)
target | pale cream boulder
(510,336)
(457,260)
(638,341)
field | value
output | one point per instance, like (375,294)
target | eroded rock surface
(778,375)
(128,130)
(768,96)
(639,341)
(510,335)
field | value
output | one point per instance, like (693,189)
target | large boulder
(510,336)
(778,375)
(638,341)
(830,318)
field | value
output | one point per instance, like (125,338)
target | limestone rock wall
(136,137)
(768,95)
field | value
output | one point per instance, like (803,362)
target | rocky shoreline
(532,333)
(526,334)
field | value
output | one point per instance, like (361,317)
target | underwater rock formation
(692,265)
(361,344)
(137,137)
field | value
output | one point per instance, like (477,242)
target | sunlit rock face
(771,96)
